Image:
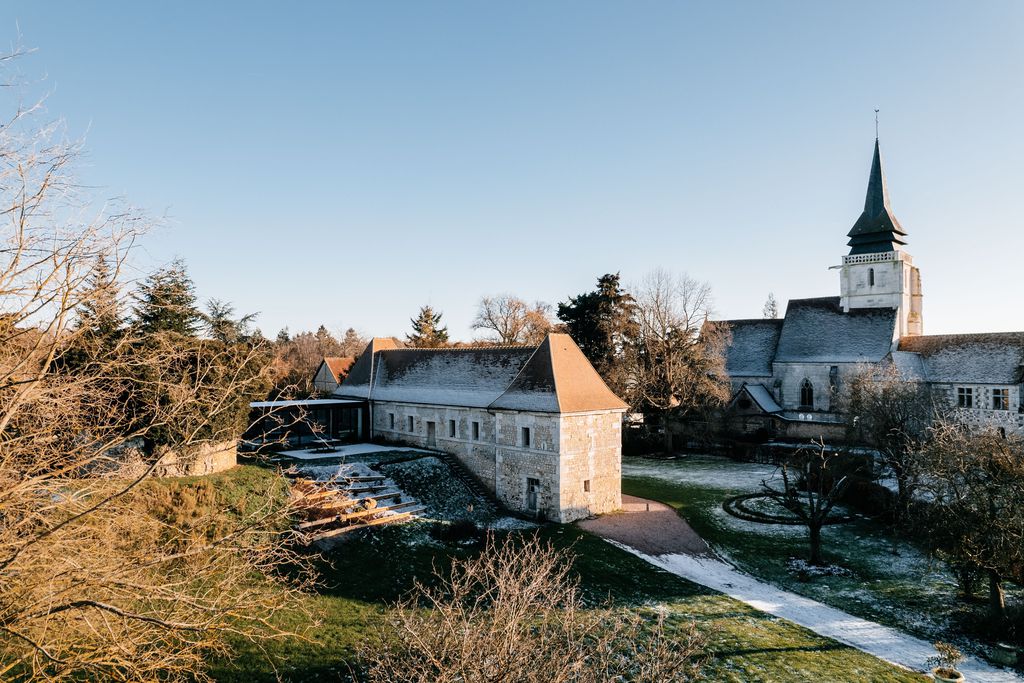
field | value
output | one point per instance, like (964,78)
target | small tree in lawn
(427,330)
(974,482)
(811,486)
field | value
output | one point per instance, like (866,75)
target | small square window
(586,486)
(412,424)
(1001,399)
(391,419)
(965,397)
(451,429)
(526,437)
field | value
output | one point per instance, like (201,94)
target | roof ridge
(498,347)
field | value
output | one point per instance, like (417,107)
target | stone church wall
(982,415)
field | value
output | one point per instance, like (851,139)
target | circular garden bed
(760,507)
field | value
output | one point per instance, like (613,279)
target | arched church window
(871,277)
(806,394)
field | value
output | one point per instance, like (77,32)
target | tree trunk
(815,533)
(996,597)
(667,439)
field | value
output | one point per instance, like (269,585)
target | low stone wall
(204,459)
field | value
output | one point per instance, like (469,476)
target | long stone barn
(537,425)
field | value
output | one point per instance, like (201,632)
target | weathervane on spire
(876,123)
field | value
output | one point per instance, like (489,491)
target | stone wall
(477,454)
(204,459)
(563,452)
(590,481)
(982,415)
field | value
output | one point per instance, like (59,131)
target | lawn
(362,576)
(890,580)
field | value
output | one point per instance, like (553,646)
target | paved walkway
(700,566)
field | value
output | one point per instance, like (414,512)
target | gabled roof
(357,383)
(338,366)
(752,347)
(876,230)
(554,377)
(761,397)
(818,331)
(558,378)
(993,358)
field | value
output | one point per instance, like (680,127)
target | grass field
(362,576)
(890,581)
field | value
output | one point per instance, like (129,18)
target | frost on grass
(702,470)
(802,567)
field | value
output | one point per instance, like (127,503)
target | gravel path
(691,559)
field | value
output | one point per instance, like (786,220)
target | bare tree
(812,484)
(892,414)
(514,613)
(678,362)
(973,482)
(512,321)
(95,584)
(771,307)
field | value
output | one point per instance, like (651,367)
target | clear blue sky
(345,163)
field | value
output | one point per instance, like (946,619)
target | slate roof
(357,384)
(877,229)
(818,331)
(993,358)
(763,398)
(553,377)
(752,348)
(909,365)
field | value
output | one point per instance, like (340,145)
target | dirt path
(650,527)
(646,533)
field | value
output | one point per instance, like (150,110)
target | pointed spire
(877,229)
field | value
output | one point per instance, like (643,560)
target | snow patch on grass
(703,470)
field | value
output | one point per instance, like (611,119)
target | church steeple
(877,230)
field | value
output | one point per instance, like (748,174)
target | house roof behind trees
(554,377)
(992,358)
(339,366)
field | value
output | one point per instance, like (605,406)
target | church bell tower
(878,273)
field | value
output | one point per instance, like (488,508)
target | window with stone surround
(451,429)
(807,395)
(964,397)
(412,424)
(476,431)
(526,437)
(586,486)
(871,277)
(1001,399)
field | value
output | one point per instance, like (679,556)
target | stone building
(788,373)
(331,372)
(536,425)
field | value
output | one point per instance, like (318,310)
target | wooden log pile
(330,509)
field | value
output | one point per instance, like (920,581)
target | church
(787,374)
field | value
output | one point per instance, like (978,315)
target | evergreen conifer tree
(99,314)
(427,331)
(166,302)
